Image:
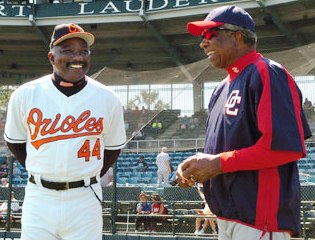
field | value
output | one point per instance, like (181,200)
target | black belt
(62,185)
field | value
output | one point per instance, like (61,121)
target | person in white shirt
(163,165)
(4,182)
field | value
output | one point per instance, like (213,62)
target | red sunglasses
(212,32)
(209,33)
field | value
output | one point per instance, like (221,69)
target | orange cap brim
(88,37)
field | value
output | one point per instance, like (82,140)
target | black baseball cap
(227,14)
(70,30)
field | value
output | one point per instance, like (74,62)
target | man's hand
(198,168)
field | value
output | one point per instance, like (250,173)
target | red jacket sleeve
(255,158)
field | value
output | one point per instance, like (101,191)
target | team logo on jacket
(231,104)
(44,130)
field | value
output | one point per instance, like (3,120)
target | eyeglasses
(212,32)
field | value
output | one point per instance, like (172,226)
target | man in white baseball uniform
(67,130)
(164,167)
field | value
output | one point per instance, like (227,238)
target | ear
(239,37)
(51,58)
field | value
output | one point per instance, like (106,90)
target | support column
(197,96)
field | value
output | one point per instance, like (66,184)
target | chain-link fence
(120,217)
(119,207)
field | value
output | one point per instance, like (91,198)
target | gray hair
(250,38)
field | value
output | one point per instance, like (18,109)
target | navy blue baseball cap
(227,14)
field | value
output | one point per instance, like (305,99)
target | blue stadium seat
(137,174)
(172,154)
(3,159)
(150,155)
(24,175)
(124,174)
(17,182)
(132,180)
(122,180)
(142,180)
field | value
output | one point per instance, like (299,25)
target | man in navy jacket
(254,135)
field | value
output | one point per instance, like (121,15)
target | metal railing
(173,145)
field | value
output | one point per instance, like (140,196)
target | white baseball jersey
(65,136)
(162,161)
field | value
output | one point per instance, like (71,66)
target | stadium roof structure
(142,41)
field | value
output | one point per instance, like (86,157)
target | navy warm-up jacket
(257,125)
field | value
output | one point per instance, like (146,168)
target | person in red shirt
(158,208)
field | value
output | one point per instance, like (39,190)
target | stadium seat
(24,175)
(138,175)
(122,180)
(2,160)
(132,180)
(17,182)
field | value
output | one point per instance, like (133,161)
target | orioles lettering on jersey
(231,103)
(84,125)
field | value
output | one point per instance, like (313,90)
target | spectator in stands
(4,169)
(308,108)
(107,178)
(15,207)
(142,165)
(16,170)
(194,122)
(207,221)
(163,166)
(158,208)
(4,182)
(184,122)
(307,104)
(156,127)
(144,210)
(254,135)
